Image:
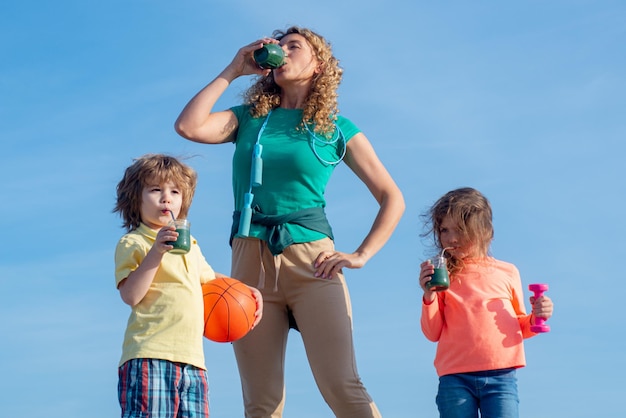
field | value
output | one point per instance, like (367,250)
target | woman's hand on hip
(329,263)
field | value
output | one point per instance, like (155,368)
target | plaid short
(162,389)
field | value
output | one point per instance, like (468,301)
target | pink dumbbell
(540,325)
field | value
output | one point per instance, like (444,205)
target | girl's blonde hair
(320,109)
(149,168)
(471,212)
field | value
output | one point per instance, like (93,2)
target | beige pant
(322,311)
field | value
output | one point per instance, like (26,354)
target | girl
(281,239)
(480,322)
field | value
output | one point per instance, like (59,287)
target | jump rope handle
(256,179)
(246,216)
(256,173)
(540,325)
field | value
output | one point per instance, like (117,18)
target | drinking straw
(445,249)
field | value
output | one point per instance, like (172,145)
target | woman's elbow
(394,200)
(401,204)
(182,130)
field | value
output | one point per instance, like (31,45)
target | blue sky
(524,101)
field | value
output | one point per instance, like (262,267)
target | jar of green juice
(439,281)
(182,245)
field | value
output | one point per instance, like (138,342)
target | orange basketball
(229,308)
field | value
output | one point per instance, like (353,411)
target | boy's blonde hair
(320,109)
(149,168)
(472,214)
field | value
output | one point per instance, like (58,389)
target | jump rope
(256,168)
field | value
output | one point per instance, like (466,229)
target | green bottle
(270,56)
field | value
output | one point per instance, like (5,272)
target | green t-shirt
(294,172)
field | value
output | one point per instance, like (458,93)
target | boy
(162,371)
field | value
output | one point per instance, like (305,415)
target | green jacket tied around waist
(278,237)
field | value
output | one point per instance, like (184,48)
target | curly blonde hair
(320,109)
(471,212)
(152,167)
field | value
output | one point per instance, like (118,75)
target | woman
(281,240)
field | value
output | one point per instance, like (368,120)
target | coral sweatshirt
(480,322)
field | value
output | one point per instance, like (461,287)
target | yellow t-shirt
(168,323)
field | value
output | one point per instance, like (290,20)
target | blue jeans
(492,392)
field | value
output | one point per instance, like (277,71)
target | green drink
(439,281)
(270,56)
(182,245)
